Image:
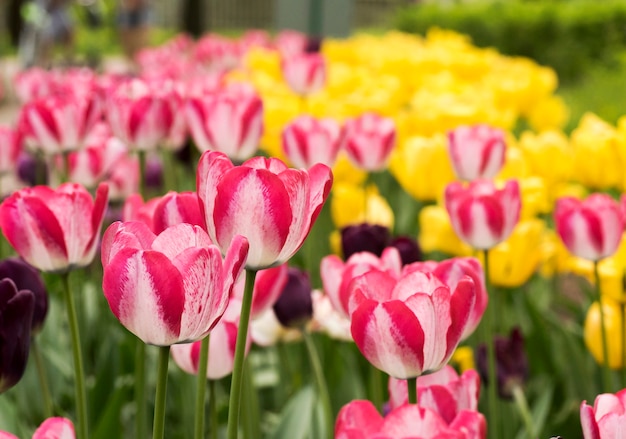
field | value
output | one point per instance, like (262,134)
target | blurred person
(133,21)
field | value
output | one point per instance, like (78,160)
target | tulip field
(270,236)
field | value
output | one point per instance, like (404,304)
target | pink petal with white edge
(121,235)
(411,420)
(211,168)
(145,292)
(588,422)
(55,428)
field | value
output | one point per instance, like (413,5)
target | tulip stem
(213,410)
(375,384)
(522,407)
(170,180)
(606,369)
(411,384)
(240,353)
(79,374)
(492,380)
(48,408)
(142,174)
(158,429)
(140,389)
(322,388)
(203,364)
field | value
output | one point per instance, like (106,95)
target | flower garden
(267,236)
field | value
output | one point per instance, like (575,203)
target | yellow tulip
(513,262)
(437,234)
(550,113)
(350,204)
(422,167)
(613,317)
(463,357)
(548,155)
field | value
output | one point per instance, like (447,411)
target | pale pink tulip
(10,149)
(476,151)
(264,200)
(607,418)
(307,141)
(369,141)
(229,120)
(305,73)
(590,229)
(168,288)
(482,215)
(54,230)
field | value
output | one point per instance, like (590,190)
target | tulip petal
(55,428)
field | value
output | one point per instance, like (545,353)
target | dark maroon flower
(294,307)
(32,170)
(364,238)
(16,314)
(409,249)
(26,277)
(511,362)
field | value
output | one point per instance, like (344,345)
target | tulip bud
(511,362)
(476,152)
(16,314)
(305,73)
(26,277)
(409,249)
(294,307)
(31,170)
(364,237)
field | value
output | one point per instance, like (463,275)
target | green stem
(375,384)
(48,408)
(522,407)
(607,383)
(203,364)
(251,422)
(322,388)
(79,374)
(492,395)
(158,430)
(411,384)
(142,174)
(140,390)
(240,353)
(170,179)
(213,410)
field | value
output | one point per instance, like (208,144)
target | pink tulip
(411,325)
(135,209)
(221,346)
(146,115)
(168,288)
(444,392)
(361,420)
(229,120)
(123,180)
(10,148)
(290,42)
(337,275)
(264,200)
(268,285)
(94,163)
(54,230)
(476,152)
(217,53)
(590,229)
(482,215)
(451,272)
(305,73)
(369,140)
(33,84)
(175,208)
(607,418)
(51,428)
(58,123)
(307,141)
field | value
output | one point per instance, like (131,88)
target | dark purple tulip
(409,249)
(294,306)
(364,238)
(31,170)
(27,277)
(154,173)
(16,314)
(511,362)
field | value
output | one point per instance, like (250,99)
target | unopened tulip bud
(364,237)
(26,277)
(294,307)
(409,249)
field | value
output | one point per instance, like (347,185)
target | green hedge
(569,35)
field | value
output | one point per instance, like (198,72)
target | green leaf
(296,418)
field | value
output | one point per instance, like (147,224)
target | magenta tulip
(607,418)
(54,230)
(451,272)
(337,275)
(51,428)
(411,325)
(305,73)
(10,148)
(476,152)
(361,420)
(175,208)
(171,288)
(229,120)
(482,215)
(307,141)
(590,229)
(221,346)
(264,200)
(369,141)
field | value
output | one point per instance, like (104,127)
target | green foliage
(569,36)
